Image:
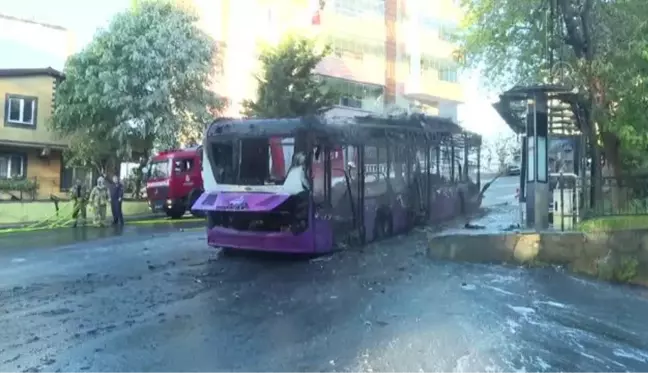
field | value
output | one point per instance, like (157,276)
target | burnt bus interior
(388,162)
(244,161)
(396,164)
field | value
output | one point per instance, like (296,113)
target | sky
(84,17)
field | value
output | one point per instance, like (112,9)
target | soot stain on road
(169,303)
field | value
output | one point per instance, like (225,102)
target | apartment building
(388,54)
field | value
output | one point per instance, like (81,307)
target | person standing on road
(116,198)
(79,197)
(99,199)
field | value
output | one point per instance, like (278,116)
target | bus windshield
(256,161)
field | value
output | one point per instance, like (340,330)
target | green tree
(136,85)
(505,148)
(287,86)
(596,44)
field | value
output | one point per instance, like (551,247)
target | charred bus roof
(344,129)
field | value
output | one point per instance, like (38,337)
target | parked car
(513,170)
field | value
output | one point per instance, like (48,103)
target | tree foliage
(136,85)
(287,86)
(504,147)
(600,48)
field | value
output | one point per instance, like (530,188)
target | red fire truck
(175,181)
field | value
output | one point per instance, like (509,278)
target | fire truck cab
(174,181)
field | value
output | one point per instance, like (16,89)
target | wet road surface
(166,302)
(156,298)
(502,191)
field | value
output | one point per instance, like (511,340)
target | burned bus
(310,185)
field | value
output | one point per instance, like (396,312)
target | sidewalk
(48,238)
(492,219)
(126,219)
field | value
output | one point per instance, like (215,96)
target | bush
(614,223)
(18,185)
(626,270)
(621,270)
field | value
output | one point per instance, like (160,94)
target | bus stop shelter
(545,118)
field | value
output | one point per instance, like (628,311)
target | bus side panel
(323,234)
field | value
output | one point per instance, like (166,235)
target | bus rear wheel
(383,225)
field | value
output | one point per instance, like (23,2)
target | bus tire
(383,224)
(227,252)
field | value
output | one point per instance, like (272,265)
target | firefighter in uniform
(79,198)
(99,199)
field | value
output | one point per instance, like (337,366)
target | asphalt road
(502,191)
(163,301)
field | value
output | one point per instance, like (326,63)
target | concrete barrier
(620,256)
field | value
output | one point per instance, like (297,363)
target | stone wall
(617,256)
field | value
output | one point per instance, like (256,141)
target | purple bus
(310,184)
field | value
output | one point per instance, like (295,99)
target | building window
(69,176)
(359,8)
(350,101)
(448,75)
(12,166)
(357,95)
(428,63)
(429,23)
(445,29)
(446,33)
(20,110)
(446,70)
(357,47)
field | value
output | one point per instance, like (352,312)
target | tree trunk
(139,177)
(613,159)
(596,177)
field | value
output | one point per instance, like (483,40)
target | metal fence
(627,195)
(570,200)
(31,189)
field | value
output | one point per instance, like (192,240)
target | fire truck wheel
(198,214)
(175,213)
(193,197)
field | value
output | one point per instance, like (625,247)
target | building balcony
(429,89)
(432,45)
(364,70)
